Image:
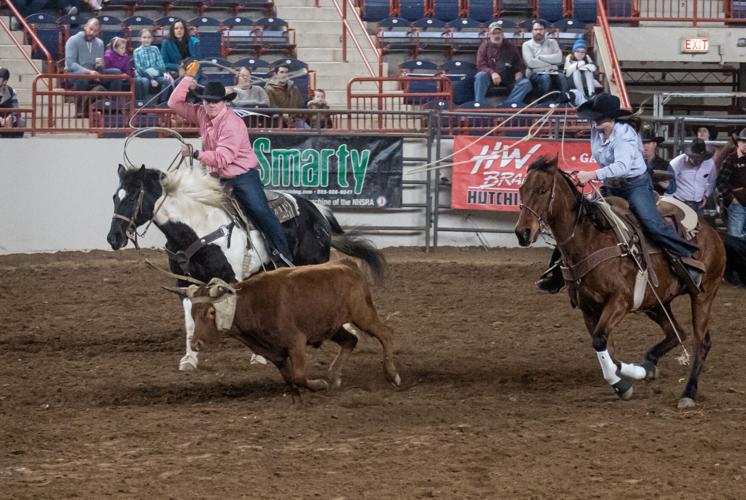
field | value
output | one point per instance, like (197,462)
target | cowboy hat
(741,136)
(215,92)
(648,135)
(602,106)
(698,149)
(711,129)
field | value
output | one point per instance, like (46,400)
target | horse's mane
(194,184)
(587,207)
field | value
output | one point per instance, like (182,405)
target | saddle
(283,206)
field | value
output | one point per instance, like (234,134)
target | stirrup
(691,275)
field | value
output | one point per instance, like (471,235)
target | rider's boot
(551,280)
(689,270)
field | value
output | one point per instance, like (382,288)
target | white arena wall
(57,195)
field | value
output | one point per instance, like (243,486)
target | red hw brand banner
(488,173)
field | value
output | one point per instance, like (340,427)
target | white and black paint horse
(203,241)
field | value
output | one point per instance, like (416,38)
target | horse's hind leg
(189,360)
(347,342)
(701,309)
(664,346)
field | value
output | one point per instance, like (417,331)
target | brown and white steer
(279,312)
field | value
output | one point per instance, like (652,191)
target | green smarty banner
(356,171)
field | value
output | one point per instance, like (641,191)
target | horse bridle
(131,230)
(542,222)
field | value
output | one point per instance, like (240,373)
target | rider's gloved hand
(192,69)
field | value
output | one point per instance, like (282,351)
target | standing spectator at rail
(542,56)
(283,93)
(116,59)
(500,65)
(179,45)
(84,55)
(657,165)
(150,71)
(579,70)
(695,175)
(732,185)
(8,100)
(248,95)
(319,120)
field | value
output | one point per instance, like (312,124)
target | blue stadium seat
(445,10)
(431,34)
(375,10)
(395,33)
(584,10)
(461,74)
(739,9)
(210,35)
(110,27)
(419,68)
(412,9)
(481,10)
(570,25)
(253,63)
(551,10)
(528,23)
(71,25)
(48,33)
(274,34)
(466,35)
(165,22)
(215,73)
(238,23)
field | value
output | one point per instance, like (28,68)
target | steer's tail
(353,243)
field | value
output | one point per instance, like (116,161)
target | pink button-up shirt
(226,148)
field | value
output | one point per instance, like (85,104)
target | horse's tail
(353,243)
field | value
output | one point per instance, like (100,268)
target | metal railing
(616,76)
(343,10)
(693,11)
(30,33)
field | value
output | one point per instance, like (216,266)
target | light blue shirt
(620,155)
(693,183)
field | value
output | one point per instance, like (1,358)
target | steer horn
(217,288)
(184,292)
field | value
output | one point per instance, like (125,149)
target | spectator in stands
(247,94)
(68,7)
(579,70)
(150,72)
(318,120)
(116,59)
(500,65)
(178,46)
(695,175)
(227,155)
(8,100)
(663,183)
(283,93)
(542,56)
(732,185)
(84,55)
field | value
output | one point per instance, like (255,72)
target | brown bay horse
(605,294)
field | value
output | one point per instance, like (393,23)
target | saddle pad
(284,207)
(667,206)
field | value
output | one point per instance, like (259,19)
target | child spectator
(579,69)
(178,46)
(248,95)
(318,120)
(116,59)
(8,100)
(150,70)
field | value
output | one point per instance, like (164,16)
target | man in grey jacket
(84,55)
(542,57)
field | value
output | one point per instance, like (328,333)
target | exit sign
(695,45)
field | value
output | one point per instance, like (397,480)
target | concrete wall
(57,195)
(663,44)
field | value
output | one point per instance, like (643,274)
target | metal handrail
(342,11)
(27,29)
(664,11)
(616,70)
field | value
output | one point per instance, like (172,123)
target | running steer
(276,314)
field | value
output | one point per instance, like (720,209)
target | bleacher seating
(461,74)
(481,10)
(215,70)
(110,27)
(739,9)
(412,9)
(395,33)
(584,10)
(431,34)
(446,10)
(45,27)
(210,35)
(419,68)
(375,10)
(274,34)
(551,10)
(465,35)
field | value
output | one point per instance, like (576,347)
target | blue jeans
(545,83)
(736,219)
(248,190)
(638,191)
(143,89)
(694,205)
(517,96)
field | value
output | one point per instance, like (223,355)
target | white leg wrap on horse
(608,367)
(189,360)
(636,372)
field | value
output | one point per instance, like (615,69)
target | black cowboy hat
(647,135)
(712,130)
(741,136)
(215,92)
(698,149)
(602,106)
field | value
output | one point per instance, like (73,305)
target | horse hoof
(397,381)
(188,364)
(686,403)
(624,389)
(651,370)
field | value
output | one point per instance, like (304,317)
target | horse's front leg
(618,375)
(189,360)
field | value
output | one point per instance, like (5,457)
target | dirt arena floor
(502,395)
